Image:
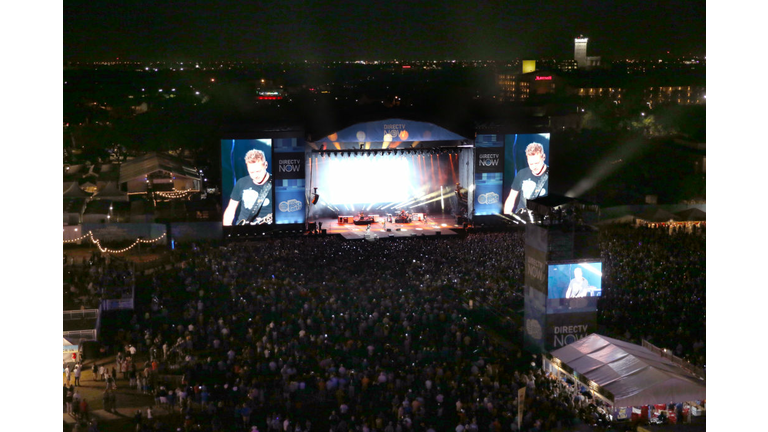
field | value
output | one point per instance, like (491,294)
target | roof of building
(110,189)
(151,162)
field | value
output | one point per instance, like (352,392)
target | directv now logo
(489,159)
(289,165)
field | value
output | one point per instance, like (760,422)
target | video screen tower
(563,283)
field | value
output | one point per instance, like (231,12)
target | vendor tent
(656,214)
(111,191)
(633,374)
(692,215)
(72,190)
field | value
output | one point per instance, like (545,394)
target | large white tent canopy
(633,374)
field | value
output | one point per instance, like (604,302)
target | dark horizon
(296,30)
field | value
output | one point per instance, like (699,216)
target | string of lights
(97,242)
(78,239)
(174,194)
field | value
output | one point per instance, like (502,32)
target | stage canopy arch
(388,166)
(388,134)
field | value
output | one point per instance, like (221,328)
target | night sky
(289,30)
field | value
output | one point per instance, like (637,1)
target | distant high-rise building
(580,51)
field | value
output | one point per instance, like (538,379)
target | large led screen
(526,170)
(574,287)
(247,184)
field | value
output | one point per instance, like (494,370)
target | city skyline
(295,30)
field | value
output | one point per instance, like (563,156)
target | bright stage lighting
(380,180)
(359,180)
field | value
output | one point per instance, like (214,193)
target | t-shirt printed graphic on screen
(249,198)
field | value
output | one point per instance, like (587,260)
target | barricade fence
(81,314)
(78,336)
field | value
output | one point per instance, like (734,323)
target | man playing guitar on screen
(254,191)
(530,183)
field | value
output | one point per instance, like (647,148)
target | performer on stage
(458,201)
(254,191)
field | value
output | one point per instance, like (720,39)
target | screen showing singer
(248,192)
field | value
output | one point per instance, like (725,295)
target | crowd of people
(99,278)
(656,288)
(418,334)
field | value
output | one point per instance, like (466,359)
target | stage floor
(444,225)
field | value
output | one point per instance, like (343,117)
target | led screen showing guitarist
(251,197)
(529,183)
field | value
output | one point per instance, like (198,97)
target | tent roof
(151,162)
(72,190)
(391,130)
(633,374)
(692,214)
(656,214)
(110,189)
(620,219)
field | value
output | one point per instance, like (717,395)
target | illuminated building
(521,87)
(611,93)
(513,87)
(567,65)
(680,95)
(580,51)
(529,66)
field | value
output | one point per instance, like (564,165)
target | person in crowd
(77,373)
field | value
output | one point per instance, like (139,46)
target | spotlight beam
(625,151)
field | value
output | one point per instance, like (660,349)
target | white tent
(633,374)
(111,191)
(72,190)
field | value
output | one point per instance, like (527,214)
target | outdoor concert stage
(435,225)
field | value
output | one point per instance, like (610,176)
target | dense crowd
(397,335)
(656,288)
(85,286)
